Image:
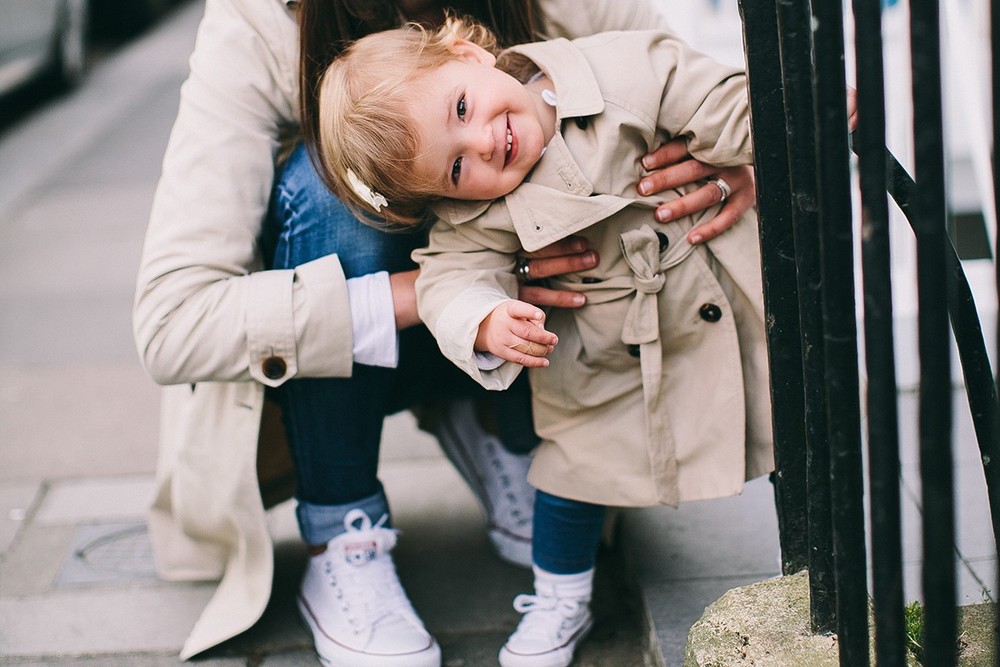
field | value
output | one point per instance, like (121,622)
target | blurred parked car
(116,20)
(42,39)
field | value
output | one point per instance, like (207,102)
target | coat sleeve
(703,101)
(203,309)
(672,91)
(466,272)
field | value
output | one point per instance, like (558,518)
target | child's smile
(481,130)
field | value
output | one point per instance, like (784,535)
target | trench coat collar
(557,198)
(577,91)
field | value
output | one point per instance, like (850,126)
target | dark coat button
(633,350)
(274,368)
(710,312)
(664,241)
(581,122)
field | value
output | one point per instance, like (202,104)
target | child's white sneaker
(498,479)
(555,619)
(355,606)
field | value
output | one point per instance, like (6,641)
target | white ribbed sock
(578,586)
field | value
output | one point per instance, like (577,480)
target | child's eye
(460,107)
(456,170)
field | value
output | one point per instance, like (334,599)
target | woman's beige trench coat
(657,391)
(217,329)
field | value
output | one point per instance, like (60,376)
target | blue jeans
(334,425)
(565,534)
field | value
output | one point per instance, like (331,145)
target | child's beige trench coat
(657,391)
(214,327)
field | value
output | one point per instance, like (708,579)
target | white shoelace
(370,592)
(545,617)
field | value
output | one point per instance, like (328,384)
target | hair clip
(376,200)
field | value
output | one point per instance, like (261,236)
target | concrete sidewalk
(79,418)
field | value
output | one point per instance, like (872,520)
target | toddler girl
(655,391)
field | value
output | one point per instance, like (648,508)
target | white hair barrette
(376,200)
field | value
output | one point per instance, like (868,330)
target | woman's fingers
(669,153)
(707,195)
(675,176)
(546,296)
(571,245)
(545,267)
(742,195)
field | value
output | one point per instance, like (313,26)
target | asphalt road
(77,175)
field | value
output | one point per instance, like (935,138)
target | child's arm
(515,331)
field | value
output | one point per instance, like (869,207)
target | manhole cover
(108,553)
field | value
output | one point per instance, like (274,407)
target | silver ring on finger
(723,188)
(523,270)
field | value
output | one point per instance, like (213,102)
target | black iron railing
(795,56)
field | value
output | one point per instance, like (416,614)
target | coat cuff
(299,323)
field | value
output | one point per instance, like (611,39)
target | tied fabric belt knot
(641,249)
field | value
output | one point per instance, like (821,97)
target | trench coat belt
(641,250)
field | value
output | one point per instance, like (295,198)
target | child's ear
(467,50)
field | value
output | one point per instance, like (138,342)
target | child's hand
(515,332)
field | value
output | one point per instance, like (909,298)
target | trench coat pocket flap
(542,215)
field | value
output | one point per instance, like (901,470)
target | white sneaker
(497,478)
(355,606)
(549,632)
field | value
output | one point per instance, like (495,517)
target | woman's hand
(564,256)
(671,166)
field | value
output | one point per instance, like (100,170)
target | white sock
(578,586)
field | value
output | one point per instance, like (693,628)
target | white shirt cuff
(487,361)
(373,320)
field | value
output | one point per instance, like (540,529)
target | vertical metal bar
(780,296)
(995,463)
(841,334)
(795,39)
(939,585)
(883,429)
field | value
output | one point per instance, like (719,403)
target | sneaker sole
(335,654)
(511,549)
(561,657)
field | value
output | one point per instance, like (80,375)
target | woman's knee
(306,221)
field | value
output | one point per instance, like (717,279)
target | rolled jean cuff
(319,524)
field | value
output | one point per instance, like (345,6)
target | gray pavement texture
(78,427)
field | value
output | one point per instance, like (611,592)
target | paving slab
(32,566)
(17,500)
(721,537)
(126,660)
(99,620)
(103,499)
(76,420)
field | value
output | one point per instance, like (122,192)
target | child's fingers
(524,311)
(524,353)
(529,354)
(533,332)
(528,323)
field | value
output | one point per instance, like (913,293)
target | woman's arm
(204,311)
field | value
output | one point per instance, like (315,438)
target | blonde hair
(364,123)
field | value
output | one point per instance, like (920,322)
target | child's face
(480,129)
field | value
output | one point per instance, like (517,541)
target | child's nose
(485,142)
